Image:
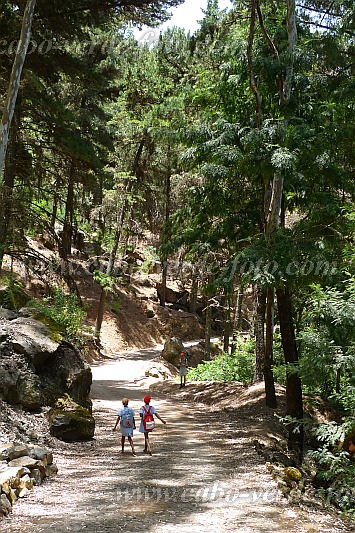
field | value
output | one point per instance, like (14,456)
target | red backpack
(148,419)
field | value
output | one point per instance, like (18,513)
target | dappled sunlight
(204,474)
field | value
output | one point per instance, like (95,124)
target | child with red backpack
(147,413)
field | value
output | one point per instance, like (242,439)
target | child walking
(125,417)
(146,412)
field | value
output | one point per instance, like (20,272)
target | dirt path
(203,476)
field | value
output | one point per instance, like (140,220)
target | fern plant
(335,466)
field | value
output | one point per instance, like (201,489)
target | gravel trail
(203,475)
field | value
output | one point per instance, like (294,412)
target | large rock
(36,370)
(67,373)
(71,422)
(19,385)
(10,371)
(172,350)
(173,297)
(31,338)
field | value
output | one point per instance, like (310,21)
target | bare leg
(147,443)
(130,440)
(122,443)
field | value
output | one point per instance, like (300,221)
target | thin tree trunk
(260,301)
(268,361)
(273,217)
(291,49)
(237,322)
(6,191)
(166,236)
(194,292)
(227,325)
(14,84)
(55,207)
(208,328)
(337,382)
(253,84)
(67,235)
(294,405)
(238,316)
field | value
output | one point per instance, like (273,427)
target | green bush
(12,293)
(239,366)
(65,311)
(335,468)
(116,305)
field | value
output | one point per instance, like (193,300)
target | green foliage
(317,368)
(327,342)
(12,295)
(150,256)
(65,311)
(105,280)
(116,305)
(335,467)
(224,367)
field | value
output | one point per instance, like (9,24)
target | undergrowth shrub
(65,311)
(239,366)
(12,294)
(335,467)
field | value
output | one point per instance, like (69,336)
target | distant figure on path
(147,422)
(183,366)
(125,417)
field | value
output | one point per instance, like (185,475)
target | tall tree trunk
(338,381)
(253,84)
(208,328)
(237,321)
(65,243)
(194,291)
(55,207)
(260,300)
(6,191)
(294,405)
(291,49)
(67,235)
(238,311)
(227,324)
(273,200)
(166,236)
(268,361)
(14,84)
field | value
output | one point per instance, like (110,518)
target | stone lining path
(204,476)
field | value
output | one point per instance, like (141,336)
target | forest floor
(204,474)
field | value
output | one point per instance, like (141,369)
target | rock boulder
(71,422)
(172,350)
(67,373)
(36,370)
